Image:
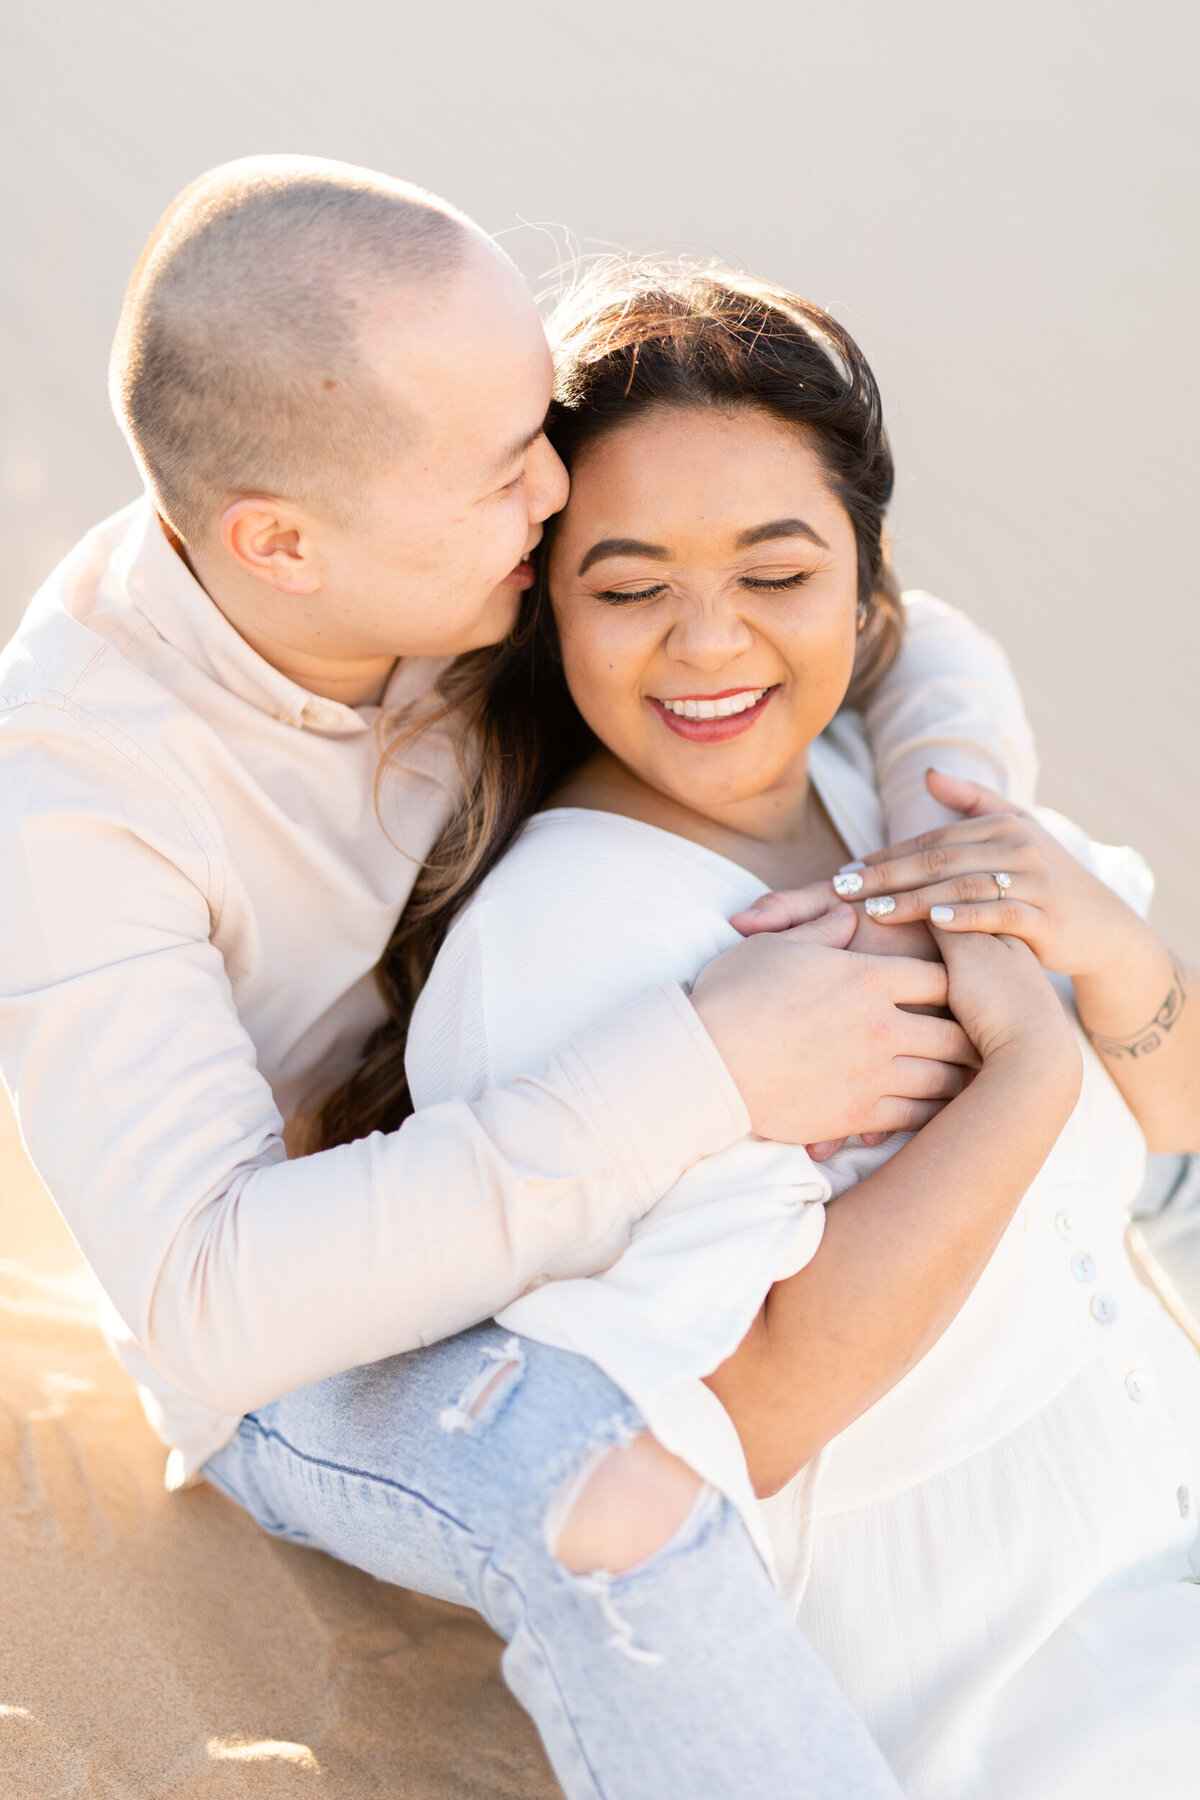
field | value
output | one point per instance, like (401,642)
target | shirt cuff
(657,1089)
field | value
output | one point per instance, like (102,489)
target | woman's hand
(1000,996)
(998,871)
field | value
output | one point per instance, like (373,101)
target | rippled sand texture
(158,1647)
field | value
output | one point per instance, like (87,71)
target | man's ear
(272,542)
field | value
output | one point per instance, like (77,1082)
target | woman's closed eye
(624,596)
(776,584)
(761,584)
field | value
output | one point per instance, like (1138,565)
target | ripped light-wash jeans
(444,1470)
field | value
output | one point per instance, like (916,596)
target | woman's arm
(902,1251)
(1140,1014)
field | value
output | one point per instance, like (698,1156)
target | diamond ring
(1002,881)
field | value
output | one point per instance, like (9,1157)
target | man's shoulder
(83,726)
(57,643)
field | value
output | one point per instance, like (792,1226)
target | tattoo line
(1150,1037)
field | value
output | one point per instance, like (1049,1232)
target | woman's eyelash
(778,586)
(615,598)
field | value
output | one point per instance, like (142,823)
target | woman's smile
(704,580)
(713,718)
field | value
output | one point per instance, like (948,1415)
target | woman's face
(704,581)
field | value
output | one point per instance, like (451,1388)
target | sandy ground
(162,1647)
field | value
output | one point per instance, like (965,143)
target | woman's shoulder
(585,912)
(607,901)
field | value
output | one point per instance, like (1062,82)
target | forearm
(1142,1016)
(900,1255)
(244,1276)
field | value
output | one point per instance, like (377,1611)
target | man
(335,387)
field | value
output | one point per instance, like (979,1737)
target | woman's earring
(863,612)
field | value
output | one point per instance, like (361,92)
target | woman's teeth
(715,709)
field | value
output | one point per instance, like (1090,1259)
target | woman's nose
(707,636)
(546,481)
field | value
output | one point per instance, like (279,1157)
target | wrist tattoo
(1150,1037)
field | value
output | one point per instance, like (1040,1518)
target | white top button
(1104,1309)
(1083,1266)
(1066,1224)
(1136,1385)
(1184,1500)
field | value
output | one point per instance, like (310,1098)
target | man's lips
(712,731)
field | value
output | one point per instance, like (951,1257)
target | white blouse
(997,1560)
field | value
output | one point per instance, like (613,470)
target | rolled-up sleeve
(244,1275)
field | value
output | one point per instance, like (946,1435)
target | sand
(162,1647)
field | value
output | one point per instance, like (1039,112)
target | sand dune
(162,1647)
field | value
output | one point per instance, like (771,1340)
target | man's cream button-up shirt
(201,871)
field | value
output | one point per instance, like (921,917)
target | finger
(907,981)
(979,887)
(784,909)
(823,1151)
(967,831)
(897,1114)
(919,1078)
(966,796)
(1016,918)
(835,928)
(939,1040)
(874,1138)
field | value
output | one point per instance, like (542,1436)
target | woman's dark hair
(628,337)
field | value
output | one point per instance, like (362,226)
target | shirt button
(1104,1309)
(1136,1385)
(1066,1224)
(1083,1267)
(1184,1499)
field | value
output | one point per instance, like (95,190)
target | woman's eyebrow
(620,547)
(779,528)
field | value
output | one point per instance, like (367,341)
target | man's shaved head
(237,367)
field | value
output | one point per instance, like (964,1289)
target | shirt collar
(164,590)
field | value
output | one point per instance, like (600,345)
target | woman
(997,1556)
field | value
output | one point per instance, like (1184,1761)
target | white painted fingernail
(849,868)
(879,909)
(847,884)
(941,915)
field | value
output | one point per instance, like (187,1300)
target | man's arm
(244,1276)
(949,701)
(241,1274)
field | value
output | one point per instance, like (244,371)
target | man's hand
(814,1036)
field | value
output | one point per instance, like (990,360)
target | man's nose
(546,481)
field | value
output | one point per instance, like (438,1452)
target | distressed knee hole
(483,1396)
(622,1505)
